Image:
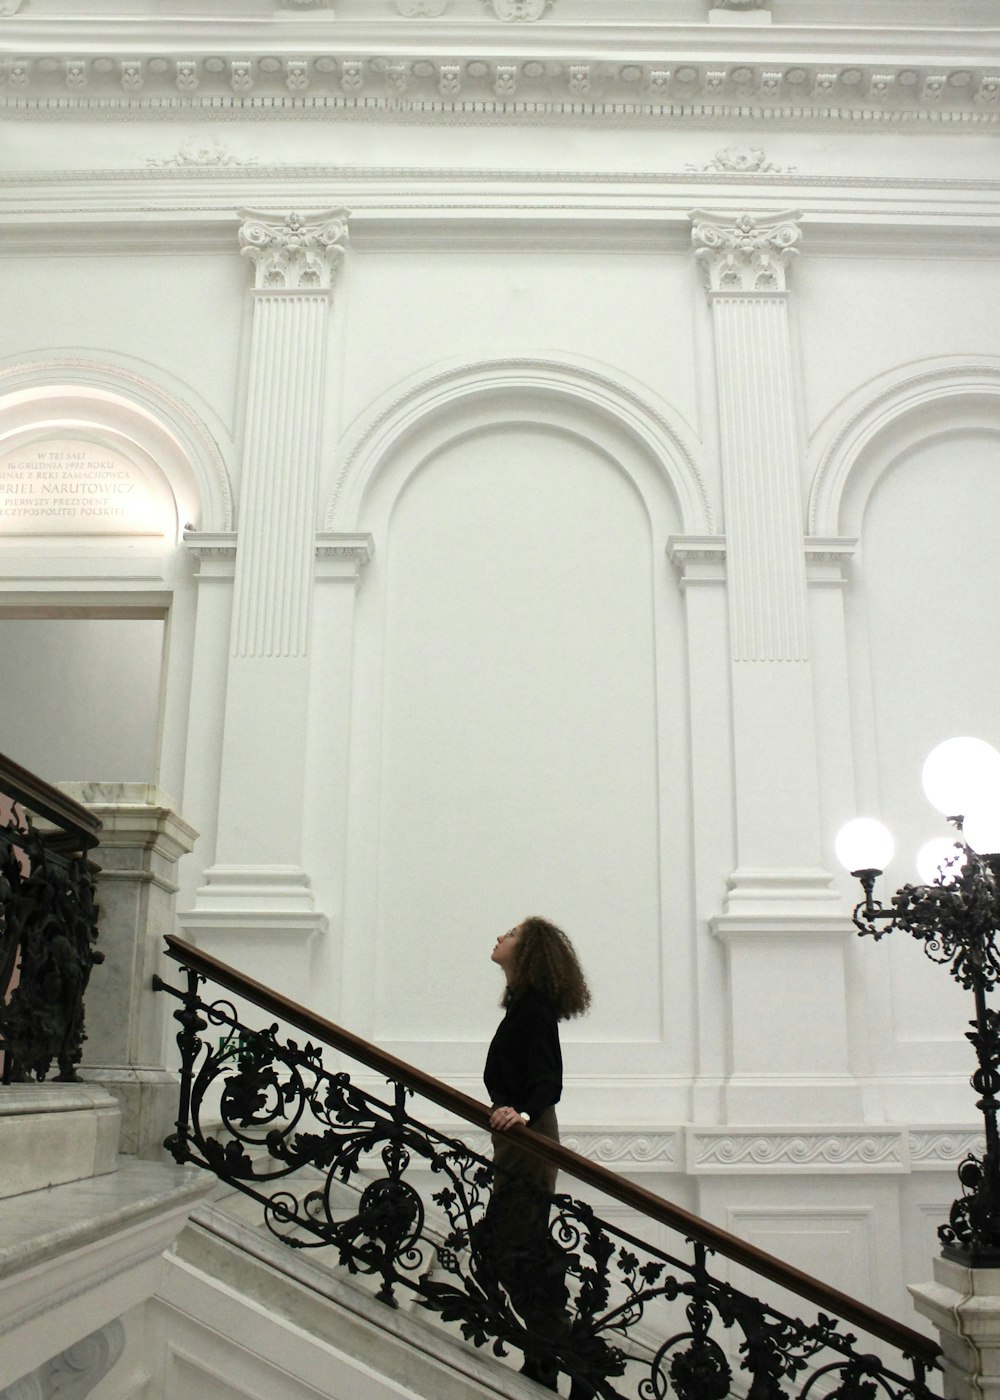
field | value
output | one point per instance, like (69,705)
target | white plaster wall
(524,707)
(80,697)
(859,317)
(409,310)
(518,749)
(926,567)
(172,318)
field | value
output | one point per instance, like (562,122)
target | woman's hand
(504,1117)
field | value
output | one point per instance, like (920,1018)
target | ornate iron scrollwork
(48,931)
(957,920)
(515,1269)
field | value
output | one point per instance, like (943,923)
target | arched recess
(908,466)
(882,420)
(519,709)
(118,402)
(99,614)
(426,406)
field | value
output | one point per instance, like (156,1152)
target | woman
(523,1076)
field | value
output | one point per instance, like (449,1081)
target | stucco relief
(829,1149)
(519,9)
(745,254)
(421,9)
(740,160)
(208,151)
(295,254)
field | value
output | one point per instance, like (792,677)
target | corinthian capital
(295,253)
(745,254)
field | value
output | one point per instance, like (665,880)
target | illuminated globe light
(864,844)
(981,829)
(961,775)
(939,861)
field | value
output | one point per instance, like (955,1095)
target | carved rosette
(747,254)
(519,9)
(297,254)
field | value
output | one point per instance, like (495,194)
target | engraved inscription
(63,486)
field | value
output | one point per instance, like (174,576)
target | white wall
(519,704)
(80,697)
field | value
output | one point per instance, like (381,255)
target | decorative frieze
(470,82)
(942,1149)
(627,1149)
(725,1150)
(295,254)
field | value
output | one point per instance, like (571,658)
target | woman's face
(503,949)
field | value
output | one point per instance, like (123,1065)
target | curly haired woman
(523,1076)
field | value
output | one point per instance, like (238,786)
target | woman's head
(539,956)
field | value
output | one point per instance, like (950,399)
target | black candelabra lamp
(956,915)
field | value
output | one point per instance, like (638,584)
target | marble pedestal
(142,839)
(964,1305)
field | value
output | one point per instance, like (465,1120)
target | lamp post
(956,915)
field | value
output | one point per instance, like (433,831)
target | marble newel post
(782,922)
(257,897)
(142,839)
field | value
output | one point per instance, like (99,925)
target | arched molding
(868,431)
(163,416)
(436,404)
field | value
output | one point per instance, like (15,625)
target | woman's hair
(544,961)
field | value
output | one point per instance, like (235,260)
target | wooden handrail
(693,1227)
(49,802)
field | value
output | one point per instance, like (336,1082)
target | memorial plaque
(64,486)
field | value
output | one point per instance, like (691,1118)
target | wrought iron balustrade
(283,1121)
(48,924)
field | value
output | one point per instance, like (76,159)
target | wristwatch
(523,1117)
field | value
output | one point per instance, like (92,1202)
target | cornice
(163,210)
(948,78)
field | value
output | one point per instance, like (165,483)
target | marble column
(142,839)
(257,905)
(782,922)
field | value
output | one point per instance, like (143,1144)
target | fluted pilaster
(781,911)
(295,264)
(744,263)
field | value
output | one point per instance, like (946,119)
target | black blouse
(524,1061)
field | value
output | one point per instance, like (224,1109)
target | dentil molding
(294,253)
(570,79)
